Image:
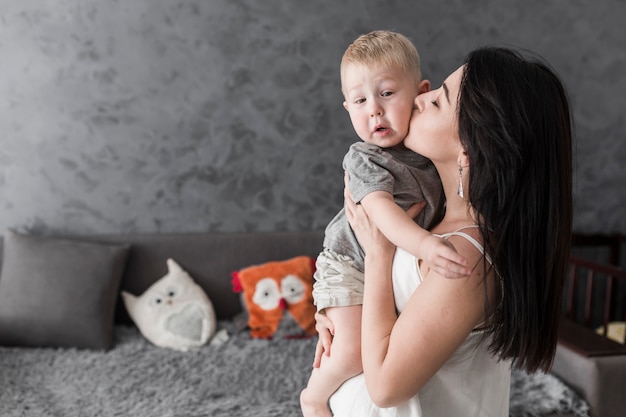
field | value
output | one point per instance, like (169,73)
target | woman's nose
(418,103)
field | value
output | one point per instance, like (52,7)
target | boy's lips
(381,131)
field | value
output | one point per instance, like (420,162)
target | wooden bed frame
(594,296)
(604,301)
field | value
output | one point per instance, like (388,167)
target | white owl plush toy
(174,312)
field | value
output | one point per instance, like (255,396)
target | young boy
(380,78)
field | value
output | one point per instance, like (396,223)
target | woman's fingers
(319,351)
(323,322)
(325,331)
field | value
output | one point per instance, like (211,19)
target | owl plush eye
(156,302)
(292,289)
(266,294)
(172,292)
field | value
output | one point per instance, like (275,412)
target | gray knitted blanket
(242,377)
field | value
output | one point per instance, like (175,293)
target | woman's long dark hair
(514,123)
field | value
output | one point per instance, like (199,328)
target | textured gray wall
(144,116)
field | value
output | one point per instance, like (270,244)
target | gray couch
(599,379)
(103,344)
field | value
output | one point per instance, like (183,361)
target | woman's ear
(423,87)
(463,159)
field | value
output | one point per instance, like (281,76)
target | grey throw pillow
(59,292)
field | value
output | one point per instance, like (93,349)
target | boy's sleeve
(367,167)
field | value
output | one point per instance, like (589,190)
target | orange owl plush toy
(272,289)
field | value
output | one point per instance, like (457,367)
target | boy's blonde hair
(386,48)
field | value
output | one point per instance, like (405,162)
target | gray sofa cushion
(600,379)
(59,292)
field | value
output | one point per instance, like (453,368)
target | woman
(499,134)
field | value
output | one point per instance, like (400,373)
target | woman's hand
(325,330)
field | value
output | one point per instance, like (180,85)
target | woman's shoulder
(467,241)
(470,233)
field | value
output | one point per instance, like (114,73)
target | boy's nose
(376,111)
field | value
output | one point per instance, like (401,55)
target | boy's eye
(359,101)
(386,93)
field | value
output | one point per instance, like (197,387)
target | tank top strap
(479,328)
(459,232)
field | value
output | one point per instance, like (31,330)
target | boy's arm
(403,232)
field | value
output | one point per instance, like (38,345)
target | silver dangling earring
(460,189)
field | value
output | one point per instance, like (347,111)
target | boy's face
(380,101)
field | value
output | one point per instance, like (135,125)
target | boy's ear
(423,87)
(345,105)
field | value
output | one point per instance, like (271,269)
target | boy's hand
(441,256)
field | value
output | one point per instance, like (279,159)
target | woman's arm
(401,354)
